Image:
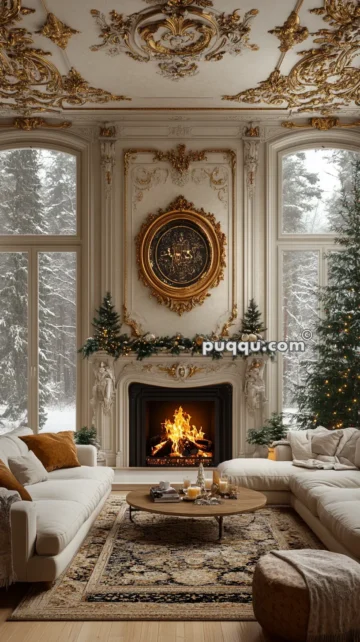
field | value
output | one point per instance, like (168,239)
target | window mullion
(33,339)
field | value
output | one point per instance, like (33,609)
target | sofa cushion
(9,481)
(325,443)
(12,446)
(304,486)
(86,493)
(57,523)
(341,517)
(260,474)
(99,473)
(27,469)
(55,450)
(346,451)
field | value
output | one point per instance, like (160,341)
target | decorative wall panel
(154,178)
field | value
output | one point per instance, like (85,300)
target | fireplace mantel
(111,414)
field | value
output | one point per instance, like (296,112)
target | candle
(193,492)
(186,483)
(208,484)
(223,486)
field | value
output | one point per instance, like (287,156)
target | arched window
(304,213)
(39,246)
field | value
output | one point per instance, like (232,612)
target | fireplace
(180,427)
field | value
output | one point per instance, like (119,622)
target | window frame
(80,243)
(278,241)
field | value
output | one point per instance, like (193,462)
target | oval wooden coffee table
(248,501)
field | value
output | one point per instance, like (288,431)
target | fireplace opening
(180,427)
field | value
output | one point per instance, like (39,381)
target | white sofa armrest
(23,536)
(87,455)
(282,452)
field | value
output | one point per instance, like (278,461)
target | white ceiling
(142,82)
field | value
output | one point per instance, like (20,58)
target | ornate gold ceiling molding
(29,124)
(176,33)
(29,82)
(322,124)
(57,31)
(324,79)
(291,33)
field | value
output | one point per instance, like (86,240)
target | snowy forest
(38,197)
(312,183)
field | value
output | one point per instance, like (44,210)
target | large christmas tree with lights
(330,395)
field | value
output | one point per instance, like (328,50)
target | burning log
(181,439)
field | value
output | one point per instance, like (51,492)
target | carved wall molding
(145,179)
(177,34)
(30,82)
(251,163)
(31,123)
(324,78)
(321,123)
(107,161)
(180,131)
(57,31)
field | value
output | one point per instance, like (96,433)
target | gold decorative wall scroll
(181,255)
(322,123)
(29,124)
(179,158)
(176,33)
(325,78)
(57,31)
(29,81)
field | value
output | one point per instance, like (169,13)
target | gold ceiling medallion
(324,79)
(179,158)
(323,124)
(29,82)
(178,34)
(181,255)
(291,33)
(57,31)
(29,124)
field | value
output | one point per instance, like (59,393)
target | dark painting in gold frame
(181,255)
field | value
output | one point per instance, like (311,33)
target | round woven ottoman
(280,599)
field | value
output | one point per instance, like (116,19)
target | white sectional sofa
(327,500)
(47,532)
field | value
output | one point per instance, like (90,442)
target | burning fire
(182,436)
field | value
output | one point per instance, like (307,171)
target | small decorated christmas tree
(107,330)
(252,322)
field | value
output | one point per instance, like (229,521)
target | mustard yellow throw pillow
(9,481)
(55,450)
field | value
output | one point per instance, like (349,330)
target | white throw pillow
(28,469)
(357,454)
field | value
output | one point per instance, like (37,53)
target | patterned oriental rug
(165,568)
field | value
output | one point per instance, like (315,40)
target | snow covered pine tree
(330,395)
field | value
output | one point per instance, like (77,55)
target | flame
(180,431)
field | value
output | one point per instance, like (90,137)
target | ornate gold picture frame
(181,255)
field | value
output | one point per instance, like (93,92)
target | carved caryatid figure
(104,387)
(254,384)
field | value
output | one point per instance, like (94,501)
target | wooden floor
(119,631)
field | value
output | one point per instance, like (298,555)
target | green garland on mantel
(107,338)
